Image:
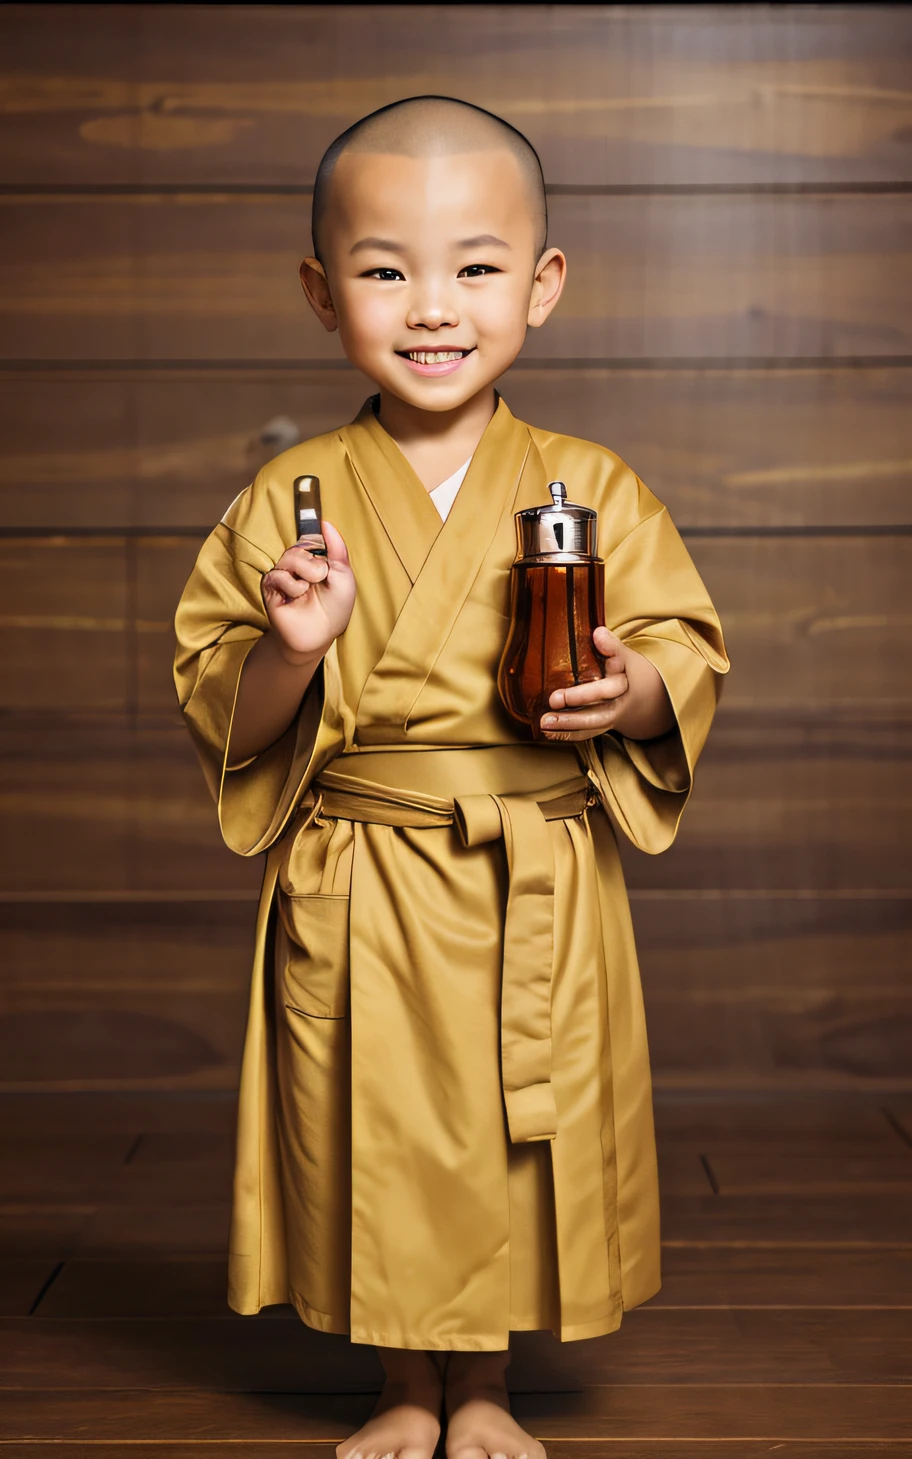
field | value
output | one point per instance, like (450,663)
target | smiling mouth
(434,357)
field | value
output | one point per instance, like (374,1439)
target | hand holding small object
(310,599)
(630,698)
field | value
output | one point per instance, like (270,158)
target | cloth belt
(528,940)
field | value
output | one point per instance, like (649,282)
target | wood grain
(776,447)
(758,1276)
(557,1449)
(50,1169)
(162,1228)
(125,807)
(103,1170)
(210,277)
(32,1233)
(710,1412)
(105,996)
(79,598)
(111,1416)
(797,1002)
(781,1038)
(21,1281)
(91,1040)
(809,944)
(610,95)
(786,1219)
(770,779)
(812,1173)
(107,947)
(119,1112)
(193,1288)
(659,1345)
(298,1449)
(777,1122)
(776,1412)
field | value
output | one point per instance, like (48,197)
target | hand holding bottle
(631,698)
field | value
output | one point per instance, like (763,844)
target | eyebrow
(387,245)
(483,240)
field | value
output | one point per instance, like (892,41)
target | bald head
(429,126)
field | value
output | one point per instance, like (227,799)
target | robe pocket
(313,954)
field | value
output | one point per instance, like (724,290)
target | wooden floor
(784,1324)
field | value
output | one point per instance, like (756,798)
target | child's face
(427,256)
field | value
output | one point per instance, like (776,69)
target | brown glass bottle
(554,610)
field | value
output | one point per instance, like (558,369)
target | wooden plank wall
(732,188)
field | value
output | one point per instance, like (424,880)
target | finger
(336,550)
(600,718)
(607,642)
(303,564)
(287,584)
(596,691)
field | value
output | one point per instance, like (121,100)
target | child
(445,1127)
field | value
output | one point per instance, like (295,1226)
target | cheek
(503,311)
(502,325)
(366,321)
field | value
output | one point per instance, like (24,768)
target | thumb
(607,642)
(336,550)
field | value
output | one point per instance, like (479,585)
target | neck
(436,443)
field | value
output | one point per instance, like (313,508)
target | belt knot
(519,819)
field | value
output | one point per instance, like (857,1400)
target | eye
(477,271)
(385,275)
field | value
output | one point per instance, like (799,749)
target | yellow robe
(445,1127)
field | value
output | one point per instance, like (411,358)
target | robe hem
(460,1342)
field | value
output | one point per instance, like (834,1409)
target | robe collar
(403,505)
(442,559)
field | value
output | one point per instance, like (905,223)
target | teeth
(435,357)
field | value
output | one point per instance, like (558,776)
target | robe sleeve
(656,602)
(219,619)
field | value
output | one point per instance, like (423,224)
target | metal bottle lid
(308,514)
(562,532)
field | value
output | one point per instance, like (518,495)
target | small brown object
(557,595)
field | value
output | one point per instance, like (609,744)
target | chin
(436,395)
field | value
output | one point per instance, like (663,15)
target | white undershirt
(444,495)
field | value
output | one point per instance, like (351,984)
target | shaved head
(427,126)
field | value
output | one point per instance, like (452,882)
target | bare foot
(480,1425)
(406,1421)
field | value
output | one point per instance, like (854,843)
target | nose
(431,307)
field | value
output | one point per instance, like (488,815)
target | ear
(316,286)
(547,286)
